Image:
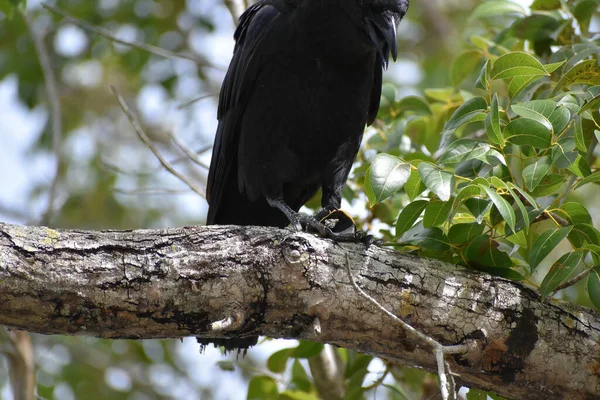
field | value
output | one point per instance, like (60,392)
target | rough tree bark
(177,282)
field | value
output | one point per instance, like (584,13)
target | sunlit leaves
(466,112)
(517,64)
(585,72)
(545,243)
(561,270)
(492,124)
(534,173)
(497,8)
(464,150)
(385,177)
(437,180)
(528,132)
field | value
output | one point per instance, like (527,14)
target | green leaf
(516,64)
(503,206)
(545,243)
(492,124)
(594,286)
(534,173)
(549,185)
(262,388)
(518,238)
(521,82)
(463,66)
(409,215)
(438,181)
(496,9)
(467,192)
(592,100)
(548,112)
(414,186)
(296,395)
(478,208)
(593,178)
(582,234)
(523,194)
(580,141)
(483,80)
(580,167)
(550,68)
(278,360)
(583,11)
(427,238)
(523,222)
(466,112)
(575,213)
(561,271)
(386,175)
(483,252)
(545,5)
(436,213)
(528,132)
(535,27)
(462,150)
(307,349)
(585,72)
(414,104)
(464,233)
(300,378)
(563,154)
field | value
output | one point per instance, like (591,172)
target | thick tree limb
(178,282)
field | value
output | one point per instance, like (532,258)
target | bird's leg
(301,221)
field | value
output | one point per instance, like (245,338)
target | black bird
(304,81)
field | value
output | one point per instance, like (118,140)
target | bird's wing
(235,91)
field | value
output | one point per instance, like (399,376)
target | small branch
(192,101)
(438,349)
(55,113)
(21,365)
(149,191)
(134,43)
(186,150)
(142,135)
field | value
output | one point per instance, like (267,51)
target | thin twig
(142,135)
(572,281)
(188,152)
(192,101)
(149,191)
(439,350)
(56,114)
(151,171)
(159,51)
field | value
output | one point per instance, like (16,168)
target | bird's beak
(382,30)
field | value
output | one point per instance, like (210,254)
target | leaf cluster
(486,173)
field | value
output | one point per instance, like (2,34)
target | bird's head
(380,20)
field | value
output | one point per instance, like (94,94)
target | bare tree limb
(177,282)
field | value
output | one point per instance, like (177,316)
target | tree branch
(178,282)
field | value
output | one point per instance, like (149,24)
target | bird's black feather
(304,81)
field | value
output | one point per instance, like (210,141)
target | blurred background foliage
(93,171)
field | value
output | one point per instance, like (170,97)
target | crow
(304,81)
